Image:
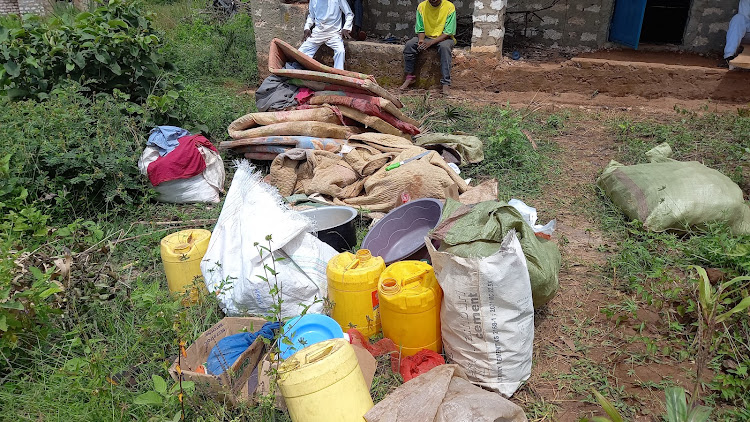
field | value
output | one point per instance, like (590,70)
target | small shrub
(76,156)
(113,47)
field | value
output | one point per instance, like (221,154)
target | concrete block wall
(584,24)
(569,23)
(489,26)
(707,24)
(38,7)
(397,17)
(8,6)
(274,19)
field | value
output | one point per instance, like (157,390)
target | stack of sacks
(331,105)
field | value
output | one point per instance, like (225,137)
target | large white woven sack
(232,265)
(487,315)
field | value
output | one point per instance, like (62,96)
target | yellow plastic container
(181,254)
(353,290)
(410,298)
(323,383)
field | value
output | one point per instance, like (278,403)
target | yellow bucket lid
(316,367)
(350,271)
(184,242)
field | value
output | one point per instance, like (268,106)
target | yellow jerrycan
(323,383)
(410,298)
(353,290)
(181,254)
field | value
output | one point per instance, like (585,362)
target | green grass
(720,141)
(510,157)
(651,268)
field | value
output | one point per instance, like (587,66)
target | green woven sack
(666,194)
(477,231)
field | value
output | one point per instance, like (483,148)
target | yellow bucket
(181,254)
(353,290)
(323,383)
(410,299)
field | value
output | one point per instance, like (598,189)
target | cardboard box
(232,384)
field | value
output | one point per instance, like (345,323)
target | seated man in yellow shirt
(436,26)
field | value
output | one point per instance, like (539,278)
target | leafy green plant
(510,157)
(26,308)
(268,400)
(714,310)
(112,47)
(161,394)
(678,409)
(204,47)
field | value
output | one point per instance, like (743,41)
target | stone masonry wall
(569,23)
(584,24)
(397,17)
(8,7)
(274,19)
(33,6)
(489,26)
(707,24)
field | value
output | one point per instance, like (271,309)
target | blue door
(627,21)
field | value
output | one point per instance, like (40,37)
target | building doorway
(649,21)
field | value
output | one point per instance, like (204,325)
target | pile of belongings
(181,167)
(322,107)
(667,194)
(332,132)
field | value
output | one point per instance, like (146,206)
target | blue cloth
(164,138)
(229,349)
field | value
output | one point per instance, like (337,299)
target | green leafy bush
(226,105)
(75,155)
(113,47)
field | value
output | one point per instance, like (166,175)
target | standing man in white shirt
(325,26)
(738,27)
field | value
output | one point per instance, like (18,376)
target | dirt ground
(576,346)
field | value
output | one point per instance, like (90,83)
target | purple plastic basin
(400,234)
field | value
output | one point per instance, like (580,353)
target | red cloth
(183,162)
(410,366)
(303,95)
(381,347)
(422,362)
(370,106)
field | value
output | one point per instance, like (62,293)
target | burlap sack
(426,177)
(309,171)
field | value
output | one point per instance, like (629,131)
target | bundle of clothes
(333,132)
(182,167)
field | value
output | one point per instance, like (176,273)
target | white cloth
(326,16)
(333,40)
(738,27)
